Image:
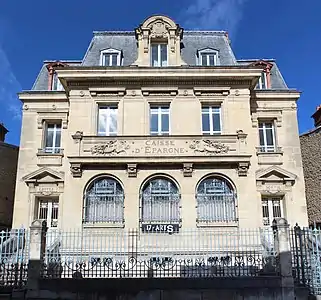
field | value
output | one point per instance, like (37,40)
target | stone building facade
(8,170)
(159,129)
(311,157)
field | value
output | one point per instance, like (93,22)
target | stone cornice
(45,96)
(276,94)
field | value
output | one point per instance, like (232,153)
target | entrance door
(271,209)
(48,211)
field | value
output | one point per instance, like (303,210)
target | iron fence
(214,252)
(14,252)
(306,257)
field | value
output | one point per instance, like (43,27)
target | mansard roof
(191,43)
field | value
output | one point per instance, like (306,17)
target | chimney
(3,132)
(317,116)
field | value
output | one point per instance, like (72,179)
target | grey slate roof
(192,42)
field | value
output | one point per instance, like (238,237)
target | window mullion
(54,138)
(211,120)
(265,138)
(108,121)
(159,116)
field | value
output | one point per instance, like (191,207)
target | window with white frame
(160,200)
(110,58)
(56,84)
(48,211)
(159,55)
(104,201)
(52,137)
(207,58)
(271,209)
(267,137)
(216,201)
(159,120)
(107,120)
(211,120)
(262,84)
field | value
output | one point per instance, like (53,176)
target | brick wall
(8,171)
(311,158)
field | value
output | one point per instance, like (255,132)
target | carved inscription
(159,147)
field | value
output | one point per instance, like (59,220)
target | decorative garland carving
(209,147)
(110,147)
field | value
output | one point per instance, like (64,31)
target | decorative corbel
(243,168)
(132,170)
(279,120)
(187,169)
(76,170)
(78,136)
(255,122)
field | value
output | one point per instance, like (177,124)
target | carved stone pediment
(275,174)
(44,175)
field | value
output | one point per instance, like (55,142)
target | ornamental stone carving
(159,30)
(110,148)
(209,147)
(76,169)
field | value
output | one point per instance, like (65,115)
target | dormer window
(264,81)
(207,57)
(56,84)
(110,58)
(262,84)
(159,55)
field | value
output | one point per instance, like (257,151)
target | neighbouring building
(311,157)
(8,170)
(159,129)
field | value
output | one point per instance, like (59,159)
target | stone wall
(8,171)
(311,157)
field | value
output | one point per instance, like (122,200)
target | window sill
(270,158)
(103,225)
(49,159)
(216,224)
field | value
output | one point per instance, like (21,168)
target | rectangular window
(271,209)
(159,55)
(262,84)
(53,138)
(48,211)
(208,59)
(267,137)
(159,120)
(107,120)
(111,59)
(211,120)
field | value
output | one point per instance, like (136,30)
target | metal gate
(14,252)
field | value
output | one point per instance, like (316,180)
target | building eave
(73,74)
(276,94)
(26,96)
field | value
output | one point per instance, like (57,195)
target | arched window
(160,201)
(104,201)
(216,201)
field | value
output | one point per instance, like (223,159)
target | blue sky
(36,30)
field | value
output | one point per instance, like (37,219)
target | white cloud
(9,86)
(213,15)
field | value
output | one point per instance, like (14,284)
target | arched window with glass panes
(216,201)
(160,201)
(104,201)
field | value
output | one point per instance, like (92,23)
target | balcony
(50,156)
(132,150)
(269,155)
